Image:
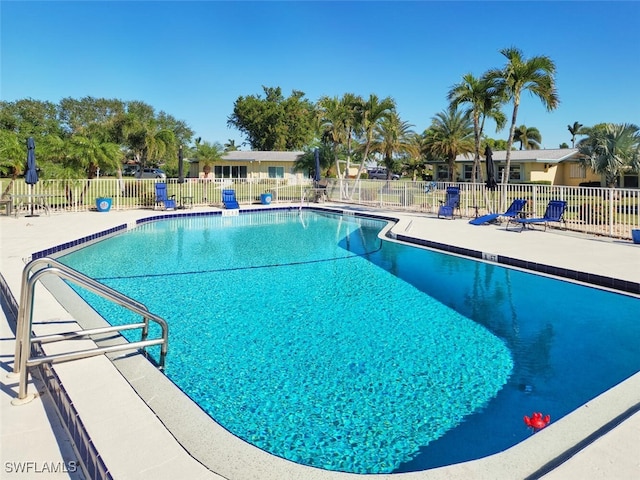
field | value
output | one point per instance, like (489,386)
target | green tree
(496,144)
(350,107)
(230,146)
(274,122)
(207,154)
(146,141)
(574,130)
(140,132)
(415,160)
(329,127)
(89,154)
(181,131)
(30,118)
(535,75)
(482,101)
(337,119)
(393,139)
(371,112)
(12,157)
(77,114)
(528,137)
(609,149)
(307,161)
(450,135)
(149,138)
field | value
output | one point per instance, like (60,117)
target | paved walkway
(33,443)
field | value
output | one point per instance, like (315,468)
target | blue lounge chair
(513,211)
(451,203)
(167,201)
(229,199)
(554,213)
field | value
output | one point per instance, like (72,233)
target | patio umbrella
(31,172)
(316,156)
(491,169)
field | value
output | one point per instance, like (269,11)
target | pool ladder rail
(24,354)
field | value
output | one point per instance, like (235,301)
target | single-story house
(559,166)
(251,165)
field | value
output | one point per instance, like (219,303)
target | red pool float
(537,421)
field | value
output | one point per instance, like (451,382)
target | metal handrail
(24,292)
(24,339)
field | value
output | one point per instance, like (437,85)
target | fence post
(611,210)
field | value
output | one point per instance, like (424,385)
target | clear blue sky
(194,59)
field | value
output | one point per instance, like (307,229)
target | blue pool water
(311,338)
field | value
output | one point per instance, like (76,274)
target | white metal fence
(612,212)
(599,211)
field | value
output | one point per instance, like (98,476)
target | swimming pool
(279,284)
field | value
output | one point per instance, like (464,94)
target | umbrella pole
(31,198)
(31,214)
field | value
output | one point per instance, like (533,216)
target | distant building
(252,165)
(560,166)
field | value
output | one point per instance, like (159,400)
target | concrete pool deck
(601,441)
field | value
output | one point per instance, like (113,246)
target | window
(467,172)
(630,181)
(515,172)
(239,172)
(276,172)
(442,172)
(577,171)
(228,171)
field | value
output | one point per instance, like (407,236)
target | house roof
(553,155)
(261,156)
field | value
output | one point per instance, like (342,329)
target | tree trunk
(476,139)
(512,131)
(8,189)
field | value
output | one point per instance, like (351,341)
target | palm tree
(330,127)
(575,129)
(393,136)
(12,157)
(450,135)
(89,154)
(85,153)
(145,138)
(482,100)
(529,137)
(336,118)
(208,153)
(230,146)
(610,149)
(535,75)
(415,162)
(370,113)
(350,104)
(307,161)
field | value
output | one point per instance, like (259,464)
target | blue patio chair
(167,201)
(229,199)
(513,211)
(450,204)
(554,213)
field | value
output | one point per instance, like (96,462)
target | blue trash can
(635,235)
(103,204)
(265,198)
